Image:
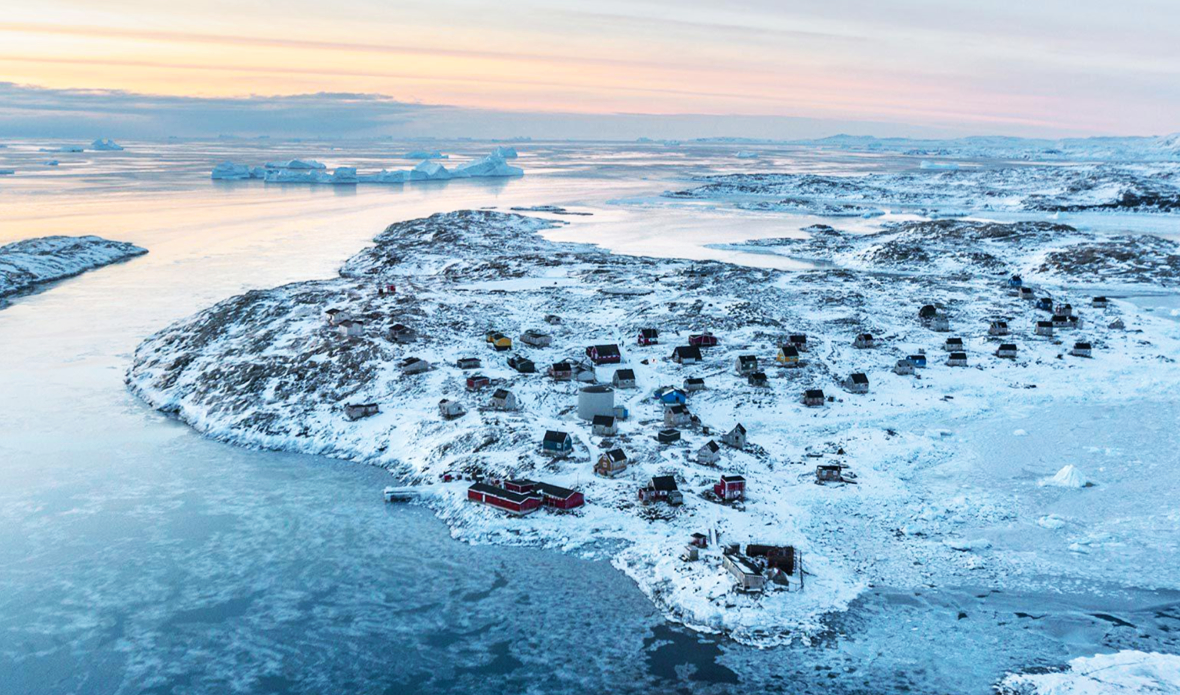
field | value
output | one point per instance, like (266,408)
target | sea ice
(1127,671)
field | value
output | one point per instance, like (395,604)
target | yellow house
(498,341)
(788,356)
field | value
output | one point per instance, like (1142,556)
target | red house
(556,497)
(649,336)
(731,487)
(705,340)
(604,354)
(498,497)
(476,382)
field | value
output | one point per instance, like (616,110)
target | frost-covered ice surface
(264,370)
(31,262)
(1103,674)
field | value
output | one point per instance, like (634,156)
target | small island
(30,263)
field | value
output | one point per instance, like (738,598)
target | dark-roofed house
(1099,302)
(334,316)
(414,365)
(780,557)
(1081,350)
(703,340)
(730,487)
(927,312)
(1027,293)
(611,463)
(557,443)
(856,383)
(1007,351)
(1063,309)
(522,364)
(350,328)
(759,380)
(661,488)
(604,354)
(957,359)
(604,426)
(668,436)
(536,338)
(1015,282)
(903,368)
(746,364)
(813,397)
(401,333)
(709,454)
(788,356)
(686,354)
(503,399)
(694,383)
(475,382)
(864,341)
(498,341)
(918,360)
(468,363)
(798,341)
(828,474)
(669,395)
(953,345)
(1060,321)
(561,371)
(512,502)
(1045,304)
(940,323)
(648,336)
(1045,328)
(556,497)
(356,411)
(450,409)
(736,438)
(623,379)
(998,328)
(677,416)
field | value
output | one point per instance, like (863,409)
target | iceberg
(228,171)
(431,171)
(344,175)
(1068,476)
(106,145)
(311,171)
(505,153)
(938,166)
(384,176)
(7,172)
(299,164)
(491,165)
(747,155)
(426,154)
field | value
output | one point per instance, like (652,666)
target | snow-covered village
(458,348)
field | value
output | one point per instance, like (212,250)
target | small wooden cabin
(829,474)
(450,409)
(746,364)
(604,354)
(498,341)
(611,463)
(1045,328)
(1006,351)
(758,380)
(561,371)
(1081,350)
(557,443)
(357,411)
(414,365)
(813,398)
(957,359)
(623,379)
(503,399)
(677,416)
(661,488)
(788,356)
(856,382)
(730,487)
(903,368)
(736,438)
(477,382)
(694,383)
(349,328)
(998,328)
(536,338)
(709,454)
(668,436)
(522,364)
(604,426)
(468,363)
(403,334)
(864,341)
(953,345)
(686,354)
(1099,302)
(747,577)
(648,336)
(798,341)
(703,340)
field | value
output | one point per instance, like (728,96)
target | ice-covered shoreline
(31,262)
(264,370)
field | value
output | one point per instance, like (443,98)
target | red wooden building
(511,502)
(551,496)
(731,487)
(649,336)
(705,340)
(604,354)
(476,382)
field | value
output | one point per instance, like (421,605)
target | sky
(603,69)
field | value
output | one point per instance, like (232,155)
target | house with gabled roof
(1006,351)
(813,398)
(736,437)
(746,364)
(957,359)
(556,443)
(856,382)
(604,354)
(709,454)
(864,341)
(686,354)
(1081,349)
(611,463)
(536,338)
(604,426)
(648,336)
(623,379)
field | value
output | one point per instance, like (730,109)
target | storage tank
(596,400)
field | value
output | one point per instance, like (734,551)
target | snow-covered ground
(25,264)
(264,369)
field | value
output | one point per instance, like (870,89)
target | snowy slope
(24,264)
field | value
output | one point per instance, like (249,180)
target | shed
(536,338)
(903,367)
(475,382)
(1007,351)
(1099,302)
(450,409)
(864,341)
(736,438)
(918,360)
(957,359)
(856,383)
(746,364)
(604,354)
(604,426)
(598,399)
(1027,294)
(998,328)
(356,411)
(557,443)
(730,487)
(788,356)
(953,345)
(1045,328)
(709,454)
(522,364)
(511,502)
(746,575)
(401,333)
(668,436)
(829,474)
(623,379)
(503,399)
(334,316)
(686,354)
(468,363)
(694,383)
(611,463)
(758,380)
(813,398)
(1081,350)
(648,336)
(703,340)
(414,365)
(350,328)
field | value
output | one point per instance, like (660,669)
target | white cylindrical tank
(596,400)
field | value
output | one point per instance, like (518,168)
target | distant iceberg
(505,153)
(311,171)
(747,155)
(106,145)
(939,166)
(64,148)
(7,172)
(1068,476)
(426,154)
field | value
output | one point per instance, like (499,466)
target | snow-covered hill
(25,264)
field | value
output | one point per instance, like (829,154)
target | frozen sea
(138,557)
